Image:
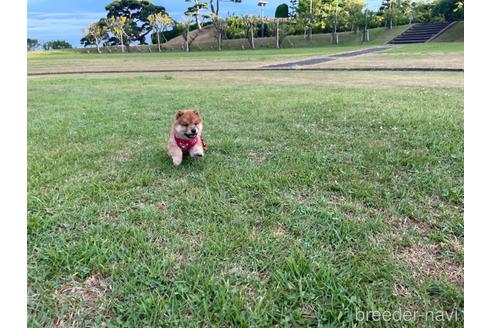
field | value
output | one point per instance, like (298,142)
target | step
(410,40)
(432,24)
(419,33)
(423,30)
(407,42)
(415,36)
(428,27)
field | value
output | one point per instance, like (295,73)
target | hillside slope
(205,35)
(455,33)
(205,39)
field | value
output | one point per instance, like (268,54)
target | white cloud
(51,26)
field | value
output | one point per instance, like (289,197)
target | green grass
(455,33)
(247,54)
(431,47)
(422,55)
(74,61)
(311,202)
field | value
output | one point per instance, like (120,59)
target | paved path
(314,61)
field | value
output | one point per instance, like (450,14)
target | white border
(478,141)
(13,134)
(478,148)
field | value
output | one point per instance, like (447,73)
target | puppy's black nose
(193,130)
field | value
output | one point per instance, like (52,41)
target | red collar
(185,144)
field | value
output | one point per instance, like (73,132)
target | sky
(65,19)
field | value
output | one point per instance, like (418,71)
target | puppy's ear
(179,113)
(196,112)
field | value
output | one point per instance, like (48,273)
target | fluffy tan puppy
(186,136)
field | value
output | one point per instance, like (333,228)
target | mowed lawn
(312,202)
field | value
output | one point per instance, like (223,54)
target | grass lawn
(312,202)
(455,33)
(75,61)
(428,55)
(421,55)
(431,47)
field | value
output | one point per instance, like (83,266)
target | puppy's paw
(177,161)
(196,153)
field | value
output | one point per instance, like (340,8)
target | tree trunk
(122,44)
(252,38)
(198,22)
(187,41)
(158,42)
(219,40)
(97,46)
(334,37)
(277,35)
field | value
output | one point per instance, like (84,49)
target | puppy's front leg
(197,150)
(176,153)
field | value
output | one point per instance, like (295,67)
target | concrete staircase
(421,33)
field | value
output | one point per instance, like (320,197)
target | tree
(354,13)
(117,25)
(331,11)
(421,11)
(282,11)
(235,27)
(215,8)
(250,24)
(366,22)
(307,13)
(136,13)
(95,33)
(194,11)
(450,9)
(335,22)
(220,25)
(57,44)
(294,4)
(389,9)
(159,23)
(32,44)
(282,30)
(184,26)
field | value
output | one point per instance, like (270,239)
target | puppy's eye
(184,124)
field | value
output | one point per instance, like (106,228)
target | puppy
(186,136)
